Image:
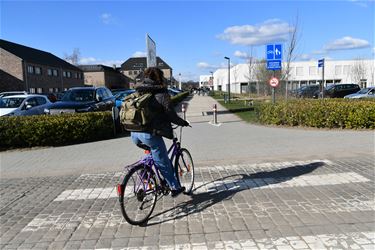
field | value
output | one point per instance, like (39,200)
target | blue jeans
(159,155)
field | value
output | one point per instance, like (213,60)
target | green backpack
(135,113)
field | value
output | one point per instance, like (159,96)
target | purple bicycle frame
(148,163)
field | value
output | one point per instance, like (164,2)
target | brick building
(35,71)
(134,66)
(101,75)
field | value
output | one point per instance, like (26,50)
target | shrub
(59,130)
(327,113)
(54,130)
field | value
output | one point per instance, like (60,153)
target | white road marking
(230,184)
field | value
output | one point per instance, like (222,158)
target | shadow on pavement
(202,201)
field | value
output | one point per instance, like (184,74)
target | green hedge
(58,130)
(327,113)
(54,130)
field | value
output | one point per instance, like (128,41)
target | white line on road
(231,184)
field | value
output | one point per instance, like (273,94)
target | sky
(193,37)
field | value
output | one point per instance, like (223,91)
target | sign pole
(273,90)
(323,81)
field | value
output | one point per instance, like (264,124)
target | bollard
(215,113)
(183,110)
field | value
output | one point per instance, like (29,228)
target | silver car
(363,93)
(23,105)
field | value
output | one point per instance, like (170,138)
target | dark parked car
(83,99)
(307,91)
(338,90)
(341,90)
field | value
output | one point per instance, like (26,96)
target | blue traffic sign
(274,64)
(321,63)
(274,52)
(270,52)
(274,55)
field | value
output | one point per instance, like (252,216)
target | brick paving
(312,204)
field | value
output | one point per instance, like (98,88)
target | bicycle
(143,182)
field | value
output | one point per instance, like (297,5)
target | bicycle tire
(133,186)
(184,169)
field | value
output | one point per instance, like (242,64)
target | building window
(135,72)
(346,70)
(39,90)
(30,69)
(56,90)
(299,71)
(64,73)
(32,90)
(49,72)
(130,72)
(50,90)
(69,74)
(38,70)
(55,72)
(338,69)
(313,70)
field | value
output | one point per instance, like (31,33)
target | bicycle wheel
(184,169)
(138,195)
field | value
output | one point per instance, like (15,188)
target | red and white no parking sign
(274,82)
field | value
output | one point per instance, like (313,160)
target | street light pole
(180,87)
(228,77)
(212,79)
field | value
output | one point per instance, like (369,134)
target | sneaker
(176,192)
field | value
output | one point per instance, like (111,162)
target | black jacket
(162,106)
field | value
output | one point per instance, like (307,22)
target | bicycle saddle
(143,146)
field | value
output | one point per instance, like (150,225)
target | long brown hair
(155,74)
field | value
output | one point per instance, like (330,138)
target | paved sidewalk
(313,204)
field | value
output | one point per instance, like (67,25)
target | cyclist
(160,126)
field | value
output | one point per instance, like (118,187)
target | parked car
(120,96)
(83,99)
(338,90)
(9,93)
(341,90)
(23,105)
(307,91)
(363,93)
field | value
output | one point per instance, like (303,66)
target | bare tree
(263,75)
(74,57)
(250,70)
(358,70)
(290,53)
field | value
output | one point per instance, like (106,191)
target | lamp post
(179,76)
(228,77)
(212,79)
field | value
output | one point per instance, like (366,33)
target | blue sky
(191,36)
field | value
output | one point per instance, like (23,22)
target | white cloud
(305,57)
(241,54)
(347,43)
(93,60)
(204,65)
(106,18)
(361,3)
(273,30)
(139,54)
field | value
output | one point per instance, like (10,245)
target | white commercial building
(301,73)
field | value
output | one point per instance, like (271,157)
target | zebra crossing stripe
(225,185)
